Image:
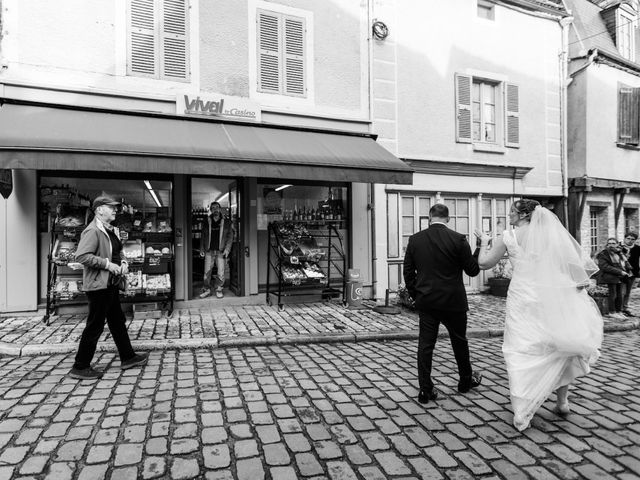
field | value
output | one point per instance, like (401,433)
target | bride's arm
(488,258)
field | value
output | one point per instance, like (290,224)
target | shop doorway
(226,193)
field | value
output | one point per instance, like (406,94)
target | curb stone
(236,342)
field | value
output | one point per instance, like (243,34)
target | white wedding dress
(553,330)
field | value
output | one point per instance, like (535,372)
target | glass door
(236,257)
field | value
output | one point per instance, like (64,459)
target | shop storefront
(167,170)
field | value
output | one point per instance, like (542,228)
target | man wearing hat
(100,252)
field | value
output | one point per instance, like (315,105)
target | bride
(553,329)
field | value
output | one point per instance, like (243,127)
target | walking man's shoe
(424,396)
(467,383)
(137,360)
(219,293)
(205,293)
(85,373)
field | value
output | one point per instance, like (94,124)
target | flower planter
(499,286)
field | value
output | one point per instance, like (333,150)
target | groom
(433,264)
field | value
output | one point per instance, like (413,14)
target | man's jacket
(94,252)
(433,266)
(226,235)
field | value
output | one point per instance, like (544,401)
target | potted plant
(499,282)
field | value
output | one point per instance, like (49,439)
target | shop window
(488,112)
(631,220)
(458,214)
(281,53)
(406,215)
(393,229)
(494,215)
(158,39)
(315,205)
(144,220)
(598,228)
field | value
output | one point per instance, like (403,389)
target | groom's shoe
(424,396)
(467,383)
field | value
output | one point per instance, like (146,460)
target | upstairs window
(281,54)
(625,34)
(157,39)
(488,112)
(628,115)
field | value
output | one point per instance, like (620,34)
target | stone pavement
(336,411)
(212,325)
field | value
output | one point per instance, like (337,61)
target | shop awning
(53,138)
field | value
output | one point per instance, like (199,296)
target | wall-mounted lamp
(153,193)
(379,29)
(282,187)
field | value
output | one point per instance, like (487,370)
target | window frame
(268,98)
(628,131)
(626,24)
(507,111)
(159,34)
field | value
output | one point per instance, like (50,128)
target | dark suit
(433,266)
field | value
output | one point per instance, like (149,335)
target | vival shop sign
(214,105)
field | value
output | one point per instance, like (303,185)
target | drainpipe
(371,200)
(565,23)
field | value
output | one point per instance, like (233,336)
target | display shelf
(305,262)
(64,238)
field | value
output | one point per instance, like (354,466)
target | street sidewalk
(215,325)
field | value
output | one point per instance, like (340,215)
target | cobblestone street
(338,411)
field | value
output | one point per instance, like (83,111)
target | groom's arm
(409,270)
(469,261)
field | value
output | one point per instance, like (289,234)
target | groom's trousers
(456,324)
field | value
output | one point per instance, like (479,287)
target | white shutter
(512,115)
(142,51)
(294,51)
(269,68)
(463,108)
(174,40)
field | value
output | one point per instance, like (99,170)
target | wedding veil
(554,258)
(553,268)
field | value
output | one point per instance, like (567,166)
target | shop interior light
(282,187)
(222,197)
(153,193)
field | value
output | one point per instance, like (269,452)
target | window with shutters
(628,115)
(625,34)
(281,53)
(487,112)
(158,39)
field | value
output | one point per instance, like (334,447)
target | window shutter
(463,108)
(143,58)
(628,111)
(294,56)
(268,52)
(174,40)
(512,115)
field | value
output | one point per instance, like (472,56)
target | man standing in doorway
(217,237)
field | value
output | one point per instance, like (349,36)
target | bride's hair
(526,206)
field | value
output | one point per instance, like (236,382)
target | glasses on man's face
(629,238)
